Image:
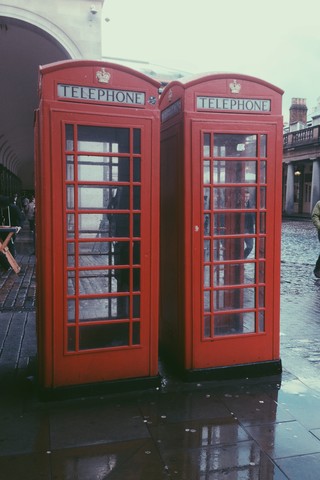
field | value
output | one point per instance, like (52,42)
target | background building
(36,33)
(301,159)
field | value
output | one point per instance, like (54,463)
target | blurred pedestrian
(315,217)
(249,221)
(10,217)
(30,209)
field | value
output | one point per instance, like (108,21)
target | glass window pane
(206,276)
(69,167)
(234,323)
(103,139)
(69,137)
(262,302)
(71,310)
(206,171)
(234,299)
(97,253)
(136,198)
(98,281)
(206,301)
(263,146)
(136,225)
(99,309)
(262,222)
(95,225)
(235,145)
(71,339)
(136,253)
(71,282)
(136,280)
(136,333)
(70,225)
(136,170)
(263,172)
(71,254)
(136,306)
(262,247)
(233,197)
(103,336)
(228,249)
(262,274)
(207,326)
(136,140)
(234,171)
(206,198)
(206,145)
(70,197)
(106,197)
(263,200)
(262,325)
(206,250)
(234,223)
(103,169)
(234,274)
(206,224)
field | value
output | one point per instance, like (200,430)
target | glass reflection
(71,254)
(99,309)
(235,145)
(136,140)
(234,171)
(263,171)
(234,323)
(95,225)
(233,197)
(206,145)
(69,137)
(206,172)
(70,225)
(234,223)
(103,139)
(234,274)
(262,323)
(70,167)
(263,146)
(234,299)
(70,197)
(108,197)
(103,169)
(103,336)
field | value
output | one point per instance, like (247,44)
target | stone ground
(266,428)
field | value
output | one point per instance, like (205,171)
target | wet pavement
(248,429)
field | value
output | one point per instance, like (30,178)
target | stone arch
(48,28)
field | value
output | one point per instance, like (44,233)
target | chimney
(298,111)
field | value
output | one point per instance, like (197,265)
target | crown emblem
(103,76)
(235,86)
(170,95)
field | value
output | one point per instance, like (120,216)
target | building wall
(70,22)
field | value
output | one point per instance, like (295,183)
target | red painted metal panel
(97,224)
(227,131)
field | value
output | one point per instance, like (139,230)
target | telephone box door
(235,239)
(101,176)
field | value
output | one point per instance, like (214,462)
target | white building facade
(33,33)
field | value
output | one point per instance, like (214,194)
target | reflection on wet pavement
(264,428)
(300,301)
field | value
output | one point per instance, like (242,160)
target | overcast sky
(275,40)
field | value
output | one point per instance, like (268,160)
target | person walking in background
(29,209)
(315,217)
(248,225)
(10,216)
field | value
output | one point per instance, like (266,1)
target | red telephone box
(221,154)
(97,190)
